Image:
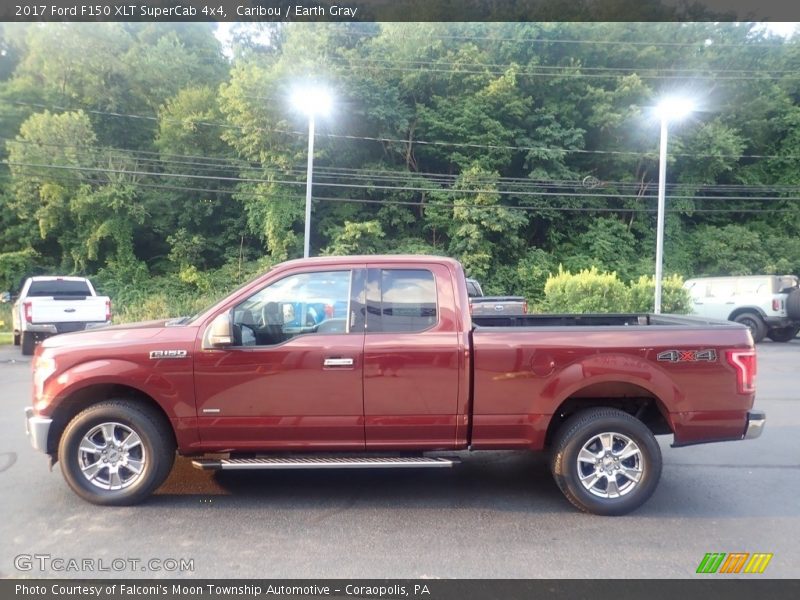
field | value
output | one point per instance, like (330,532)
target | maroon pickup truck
(375,361)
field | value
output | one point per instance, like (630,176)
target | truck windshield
(59,287)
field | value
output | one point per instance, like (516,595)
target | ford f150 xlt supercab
(375,361)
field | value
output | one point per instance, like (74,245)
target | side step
(299,462)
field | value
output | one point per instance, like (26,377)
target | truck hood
(128,333)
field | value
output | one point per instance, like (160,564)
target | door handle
(338,362)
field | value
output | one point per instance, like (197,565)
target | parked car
(489,305)
(402,372)
(769,305)
(50,305)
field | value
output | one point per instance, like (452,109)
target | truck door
(411,357)
(293,378)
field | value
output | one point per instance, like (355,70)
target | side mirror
(219,333)
(5,297)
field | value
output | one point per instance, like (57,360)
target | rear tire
(793,304)
(597,446)
(28,343)
(116,453)
(16,339)
(784,334)
(756,325)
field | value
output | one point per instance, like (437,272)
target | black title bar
(705,587)
(400,10)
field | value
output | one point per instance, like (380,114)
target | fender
(610,368)
(161,387)
(172,389)
(516,396)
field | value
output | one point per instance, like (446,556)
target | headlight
(43,367)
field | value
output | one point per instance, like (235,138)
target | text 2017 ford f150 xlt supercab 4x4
(375,361)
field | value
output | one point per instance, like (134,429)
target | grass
(5,337)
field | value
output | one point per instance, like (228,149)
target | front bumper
(755,424)
(37,429)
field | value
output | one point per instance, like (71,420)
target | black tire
(584,427)
(756,325)
(784,334)
(793,304)
(16,339)
(157,450)
(28,344)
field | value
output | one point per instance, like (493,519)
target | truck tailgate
(84,310)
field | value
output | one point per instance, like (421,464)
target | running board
(230,464)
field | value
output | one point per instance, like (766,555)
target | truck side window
(401,300)
(305,303)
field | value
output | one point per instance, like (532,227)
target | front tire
(755,324)
(605,461)
(784,334)
(116,453)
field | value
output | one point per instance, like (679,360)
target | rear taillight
(28,308)
(470,308)
(108,310)
(777,304)
(744,363)
(525,307)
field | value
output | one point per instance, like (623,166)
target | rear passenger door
(411,358)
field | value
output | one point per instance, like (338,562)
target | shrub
(5,316)
(174,295)
(674,299)
(591,291)
(588,291)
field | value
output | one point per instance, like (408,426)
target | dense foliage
(591,291)
(141,153)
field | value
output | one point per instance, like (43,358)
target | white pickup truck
(50,305)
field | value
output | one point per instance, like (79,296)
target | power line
(386,187)
(418,142)
(526,40)
(397,175)
(542,71)
(545,67)
(438,204)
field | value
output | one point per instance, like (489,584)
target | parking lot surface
(498,514)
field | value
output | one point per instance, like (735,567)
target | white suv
(768,304)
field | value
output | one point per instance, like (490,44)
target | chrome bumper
(37,429)
(755,424)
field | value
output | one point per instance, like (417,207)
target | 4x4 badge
(688,356)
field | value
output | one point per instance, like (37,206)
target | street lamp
(312,101)
(669,109)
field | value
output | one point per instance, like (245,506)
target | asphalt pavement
(498,514)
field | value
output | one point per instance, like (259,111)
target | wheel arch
(635,399)
(747,309)
(87,396)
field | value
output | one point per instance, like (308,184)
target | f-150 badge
(157,354)
(688,356)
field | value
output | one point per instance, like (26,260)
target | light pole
(669,109)
(311,101)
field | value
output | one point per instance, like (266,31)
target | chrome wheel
(610,465)
(111,456)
